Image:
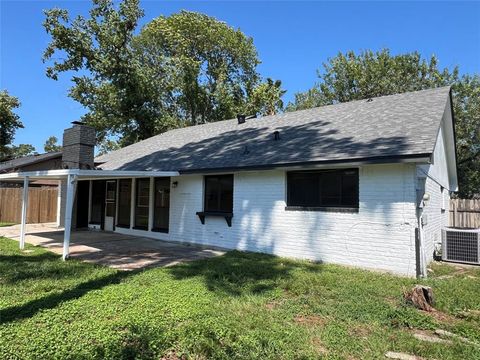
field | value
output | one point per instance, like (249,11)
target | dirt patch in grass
(319,346)
(272,305)
(310,320)
(440,316)
(172,355)
(360,331)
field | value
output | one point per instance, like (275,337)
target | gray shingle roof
(20,162)
(388,126)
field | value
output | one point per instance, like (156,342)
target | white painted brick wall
(437,218)
(380,236)
(436,176)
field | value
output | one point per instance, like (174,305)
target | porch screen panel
(141,204)
(161,204)
(98,202)
(124,202)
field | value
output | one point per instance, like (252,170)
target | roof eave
(424,158)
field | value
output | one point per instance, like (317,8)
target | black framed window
(323,189)
(161,204)
(218,193)
(124,202)
(142,197)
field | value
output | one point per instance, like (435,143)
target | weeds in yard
(239,305)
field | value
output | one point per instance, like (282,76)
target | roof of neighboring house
(396,126)
(18,163)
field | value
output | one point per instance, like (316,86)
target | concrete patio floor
(118,251)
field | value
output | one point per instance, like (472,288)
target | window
(124,202)
(219,193)
(161,205)
(323,189)
(142,204)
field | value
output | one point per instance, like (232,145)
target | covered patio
(113,249)
(119,251)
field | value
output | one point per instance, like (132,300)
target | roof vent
(276,135)
(241,118)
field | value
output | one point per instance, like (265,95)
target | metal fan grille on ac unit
(461,245)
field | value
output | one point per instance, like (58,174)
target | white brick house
(364,183)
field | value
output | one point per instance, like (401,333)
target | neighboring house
(46,161)
(45,199)
(364,183)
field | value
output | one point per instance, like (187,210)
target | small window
(142,204)
(124,202)
(323,189)
(219,193)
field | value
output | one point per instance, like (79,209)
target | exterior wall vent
(461,245)
(241,118)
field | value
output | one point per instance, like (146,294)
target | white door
(110,196)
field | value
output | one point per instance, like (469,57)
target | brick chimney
(78,147)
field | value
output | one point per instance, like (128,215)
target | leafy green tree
(466,107)
(9,123)
(352,76)
(22,150)
(51,145)
(266,98)
(107,145)
(184,69)
(204,70)
(107,81)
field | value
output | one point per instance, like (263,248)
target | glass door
(110,200)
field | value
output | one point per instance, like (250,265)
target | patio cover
(72,176)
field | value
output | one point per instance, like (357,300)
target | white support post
(59,202)
(24,213)
(71,185)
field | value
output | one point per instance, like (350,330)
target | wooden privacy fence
(464,213)
(42,205)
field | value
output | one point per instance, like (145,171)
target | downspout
(422,266)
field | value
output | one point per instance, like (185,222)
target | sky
(293,39)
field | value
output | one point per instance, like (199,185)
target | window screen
(219,193)
(141,203)
(325,188)
(124,202)
(98,202)
(161,204)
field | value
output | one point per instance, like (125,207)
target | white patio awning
(84,174)
(71,176)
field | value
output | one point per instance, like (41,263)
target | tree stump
(421,297)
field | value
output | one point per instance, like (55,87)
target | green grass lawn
(240,305)
(2,224)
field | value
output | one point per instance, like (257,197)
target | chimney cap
(78,122)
